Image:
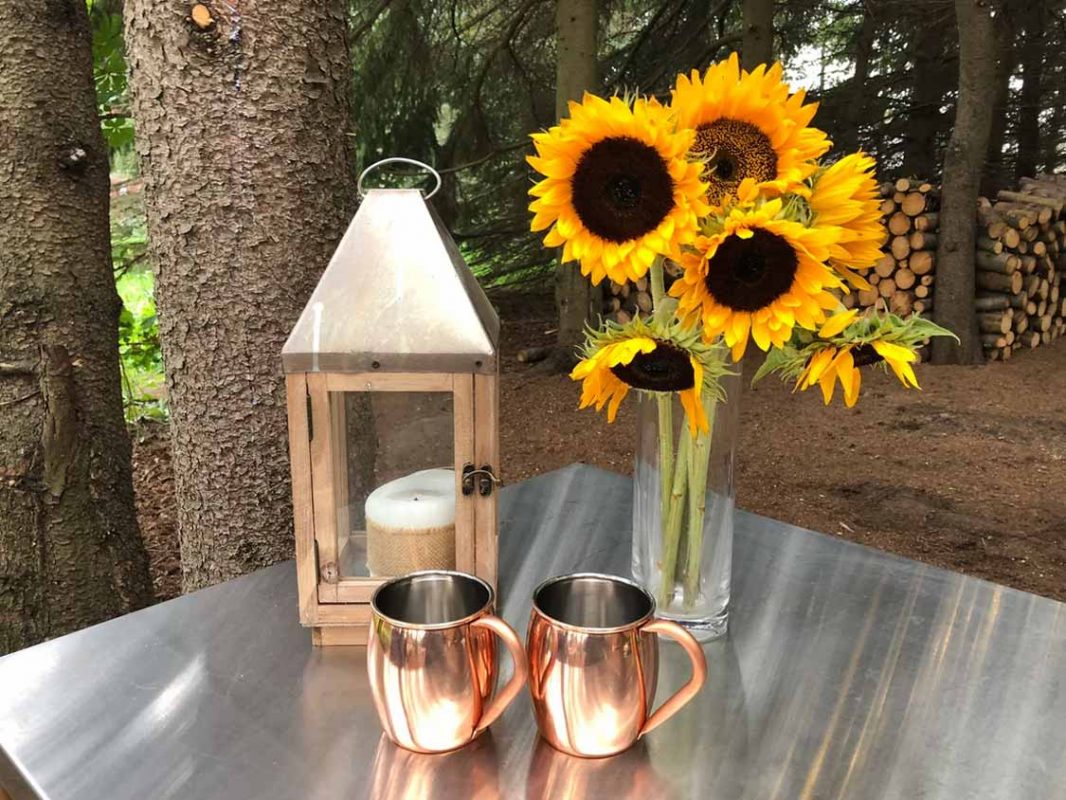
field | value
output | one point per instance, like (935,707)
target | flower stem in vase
(699,463)
(666,408)
(671,537)
(666,452)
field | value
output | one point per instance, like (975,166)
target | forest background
(179,173)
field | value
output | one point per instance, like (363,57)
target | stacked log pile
(904,277)
(1020,257)
(623,301)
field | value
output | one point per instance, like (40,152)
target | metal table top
(848,673)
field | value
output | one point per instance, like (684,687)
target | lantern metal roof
(397,296)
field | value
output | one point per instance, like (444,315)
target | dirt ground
(968,474)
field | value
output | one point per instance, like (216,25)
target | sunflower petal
(851,394)
(837,323)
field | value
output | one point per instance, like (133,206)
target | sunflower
(649,357)
(847,342)
(759,274)
(829,365)
(618,189)
(844,200)
(747,125)
(841,363)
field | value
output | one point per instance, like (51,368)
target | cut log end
(201,16)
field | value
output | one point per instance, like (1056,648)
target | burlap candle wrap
(410,524)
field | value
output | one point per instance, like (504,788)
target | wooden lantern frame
(397,310)
(336,608)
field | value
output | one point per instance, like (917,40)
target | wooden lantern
(391,378)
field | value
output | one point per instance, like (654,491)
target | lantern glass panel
(395,482)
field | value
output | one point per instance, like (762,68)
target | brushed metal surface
(848,673)
(395,264)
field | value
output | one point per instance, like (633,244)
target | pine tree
(242,118)
(70,551)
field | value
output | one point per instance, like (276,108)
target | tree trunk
(1050,139)
(70,551)
(1029,98)
(242,118)
(997,174)
(931,81)
(963,161)
(855,106)
(577,300)
(757,45)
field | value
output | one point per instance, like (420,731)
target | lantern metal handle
(399,160)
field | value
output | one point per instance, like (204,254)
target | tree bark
(855,106)
(242,118)
(757,44)
(931,82)
(577,71)
(963,162)
(997,174)
(1032,60)
(70,551)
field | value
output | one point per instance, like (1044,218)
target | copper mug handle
(678,699)
(503,698)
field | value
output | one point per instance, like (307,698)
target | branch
(490,232)
(505,38)
(355,35)
(479,161)
(632,54)
(17,368)
(477,19)
(14,400)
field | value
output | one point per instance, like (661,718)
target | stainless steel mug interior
(603,602)
(432,598)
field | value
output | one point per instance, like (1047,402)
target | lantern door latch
(486,480)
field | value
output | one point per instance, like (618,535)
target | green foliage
(138,332)
(140,356)
(129,235)
(109,73)
(142,361)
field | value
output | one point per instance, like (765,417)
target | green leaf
(776,360)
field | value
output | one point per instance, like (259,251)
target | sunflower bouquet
(727,183)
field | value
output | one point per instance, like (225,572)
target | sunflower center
(749,274)
(622,189)
(733,150)
(624,192)
(724,168)
(751,267)
(864,355)
(667,368)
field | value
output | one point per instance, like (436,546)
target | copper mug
(432,662)
(594,661)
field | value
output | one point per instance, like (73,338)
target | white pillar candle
(410,523)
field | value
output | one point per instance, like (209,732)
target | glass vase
(683,514)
